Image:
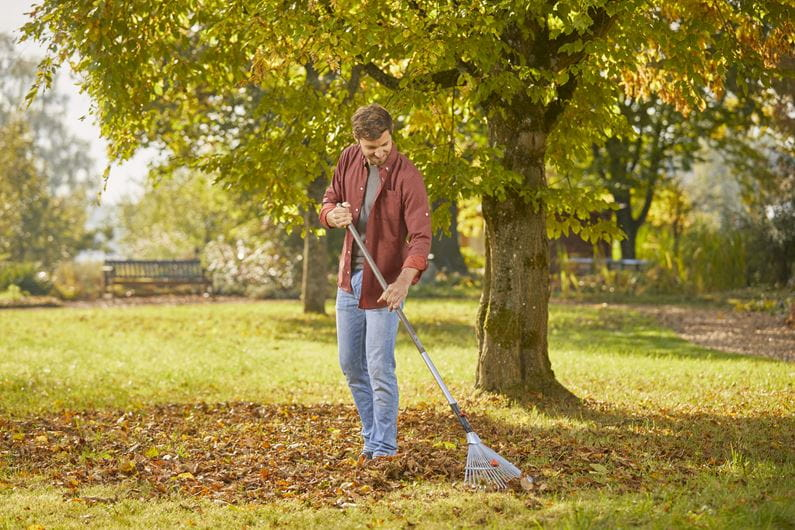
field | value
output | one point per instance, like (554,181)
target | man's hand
(340,217)
(396,292)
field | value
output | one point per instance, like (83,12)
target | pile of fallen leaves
(234,452)
(247,452)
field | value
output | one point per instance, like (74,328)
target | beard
(373,160)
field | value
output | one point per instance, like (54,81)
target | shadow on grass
(317,328)
(243,452)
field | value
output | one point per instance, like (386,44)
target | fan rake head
(485,467)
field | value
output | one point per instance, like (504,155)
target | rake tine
(495,478)
(484,465)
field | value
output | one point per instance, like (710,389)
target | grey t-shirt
(373,182)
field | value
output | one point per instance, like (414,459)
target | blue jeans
(366,342)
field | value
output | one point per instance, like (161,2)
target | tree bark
(313,281)
(513,315)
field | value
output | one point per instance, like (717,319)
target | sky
(126,179)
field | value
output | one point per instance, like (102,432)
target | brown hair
(370,122)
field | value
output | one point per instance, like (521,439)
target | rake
(484,466)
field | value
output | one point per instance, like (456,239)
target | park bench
(590,266)
(154,273)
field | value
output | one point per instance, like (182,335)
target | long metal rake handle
(413,334)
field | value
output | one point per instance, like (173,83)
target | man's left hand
(397,291)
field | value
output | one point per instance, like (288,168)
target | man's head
(372,129)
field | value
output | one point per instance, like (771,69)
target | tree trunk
(513,314)
(630,227)
(314,285)
(446,249)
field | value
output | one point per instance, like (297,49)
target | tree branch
(558,105)
(442,79)
(389,81)
(353,82)
(602,23)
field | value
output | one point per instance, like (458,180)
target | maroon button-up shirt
(399,225)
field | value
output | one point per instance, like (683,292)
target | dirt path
(727,330)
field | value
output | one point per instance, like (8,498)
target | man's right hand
(340,217)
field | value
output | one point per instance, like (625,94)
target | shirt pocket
(390,213)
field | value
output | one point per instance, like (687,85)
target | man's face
(376,151)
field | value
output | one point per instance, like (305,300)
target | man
(382,193)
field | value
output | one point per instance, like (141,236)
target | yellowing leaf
(127,466)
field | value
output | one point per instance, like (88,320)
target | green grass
(669,434)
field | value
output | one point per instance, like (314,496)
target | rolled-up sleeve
(333,194)
(417,216)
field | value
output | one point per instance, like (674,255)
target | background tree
(44,171)
(36,225)
(543,77)
(149,228)
(663,142)
(770,219)
(60,155)
(727,216)
(633,169)
(243,251)
(446,249)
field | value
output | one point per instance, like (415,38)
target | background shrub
(29,277)
(78,280)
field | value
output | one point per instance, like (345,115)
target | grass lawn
(236,414)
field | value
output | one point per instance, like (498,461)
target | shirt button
(357,209)
(361,188)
